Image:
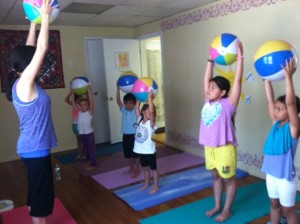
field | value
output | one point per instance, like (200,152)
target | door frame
(148,36)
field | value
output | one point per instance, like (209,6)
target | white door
(96,74)
(111,49)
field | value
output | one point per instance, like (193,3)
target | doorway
(145,60)
(151,64)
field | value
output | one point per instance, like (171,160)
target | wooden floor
(89,202)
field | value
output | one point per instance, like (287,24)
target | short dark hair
(222,83)
(282,99)
(129,97)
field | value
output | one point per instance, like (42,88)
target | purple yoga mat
(118,178)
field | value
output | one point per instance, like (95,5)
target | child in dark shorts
(128,120)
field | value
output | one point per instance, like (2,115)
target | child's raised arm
(237,83)
(67,99)
(290,99)
(137,108)
(270,99)
(118,97)
(151,108)
(73,102)
(208,74)
(91,99)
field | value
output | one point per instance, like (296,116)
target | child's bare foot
(143,188)
(89,168)
(212,212)
(223,216)
(154,190)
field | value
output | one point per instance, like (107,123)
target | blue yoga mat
(171,186)
(251,203)
(69,158)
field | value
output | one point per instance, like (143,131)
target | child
(280,148)
(217,134)
(81,154)
(85,129)
(33,106)
(144,145)
(128,130)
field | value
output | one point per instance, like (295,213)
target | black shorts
(128,144)
(40,186)
(148,160)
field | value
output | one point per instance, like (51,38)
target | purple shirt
(216,127)
(36,126)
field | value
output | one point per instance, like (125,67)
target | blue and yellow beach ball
(142,86)
(126,81)
(223,49)
(269,58)
(32,10)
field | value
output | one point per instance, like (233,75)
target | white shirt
(84,124)
(143,143)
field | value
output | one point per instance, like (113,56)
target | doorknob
(96,93)
(109,98)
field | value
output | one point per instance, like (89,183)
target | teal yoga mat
(171,186)
(251,203)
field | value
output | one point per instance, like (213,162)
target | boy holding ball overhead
(128,111)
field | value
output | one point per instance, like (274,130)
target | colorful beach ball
(269,58)
(223,49)
(142,86)
(126,81)
(32,10)
(79,85)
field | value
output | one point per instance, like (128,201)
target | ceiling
(116,13)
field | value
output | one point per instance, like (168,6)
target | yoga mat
(70,157)
(251,203)
(171,186)
(20,215)
(118,178)
(117,160)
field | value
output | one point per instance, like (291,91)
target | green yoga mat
(251,203)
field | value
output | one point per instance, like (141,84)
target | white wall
(186,39)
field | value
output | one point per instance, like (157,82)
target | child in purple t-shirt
(217,134)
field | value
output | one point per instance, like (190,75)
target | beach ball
(79,85)
(223,49)
(126,81)
(142,86)
(270,56)
(32,10)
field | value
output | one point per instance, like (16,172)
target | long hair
(19,59)
(144,107)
